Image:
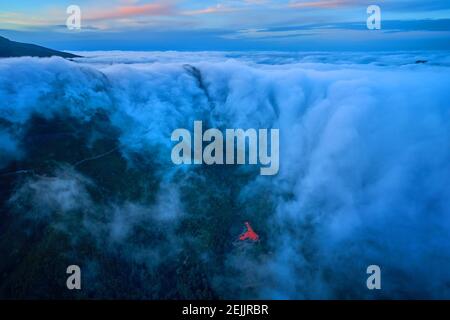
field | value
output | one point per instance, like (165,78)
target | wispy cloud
(20,21)
(219,8)
(149,9)
(321,3)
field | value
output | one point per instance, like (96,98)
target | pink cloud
(320,4)
(216,9)
(150,9)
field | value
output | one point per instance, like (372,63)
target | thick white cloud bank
(364,155)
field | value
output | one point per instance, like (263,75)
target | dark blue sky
(229,24)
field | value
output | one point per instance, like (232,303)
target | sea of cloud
(364,159)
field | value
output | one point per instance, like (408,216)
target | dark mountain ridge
(10,48)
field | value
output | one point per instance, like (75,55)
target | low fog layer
(87,177)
